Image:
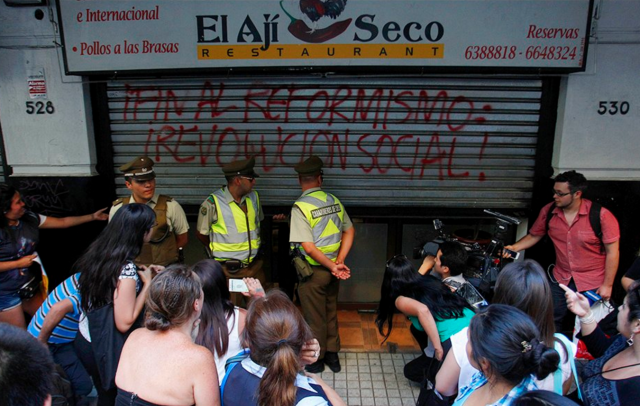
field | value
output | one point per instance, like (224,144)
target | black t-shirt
(15,243)
(634,271)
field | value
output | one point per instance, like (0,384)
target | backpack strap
(228,367)
(594,220)
(557,376)
(549,216)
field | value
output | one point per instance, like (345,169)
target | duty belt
(234,265)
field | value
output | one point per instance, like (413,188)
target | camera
(431,247)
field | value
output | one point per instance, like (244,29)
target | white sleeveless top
(234,344)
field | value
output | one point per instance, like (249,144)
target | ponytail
(275,333)
(277,386)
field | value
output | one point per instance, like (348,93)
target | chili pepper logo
(316,9)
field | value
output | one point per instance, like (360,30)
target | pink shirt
(578,250)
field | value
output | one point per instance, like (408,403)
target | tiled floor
(372,372)
(373,379)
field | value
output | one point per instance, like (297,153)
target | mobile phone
(237,285)
(592,296)
(514,255)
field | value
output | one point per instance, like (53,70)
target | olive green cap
(141,168)
(242,168)
(310,166)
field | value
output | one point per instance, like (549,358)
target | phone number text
(492,52)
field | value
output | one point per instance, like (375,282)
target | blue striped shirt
(66,330)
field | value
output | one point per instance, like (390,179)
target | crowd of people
(136,326)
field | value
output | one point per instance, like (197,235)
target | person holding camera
(322,230)
(449,264)
(586,240)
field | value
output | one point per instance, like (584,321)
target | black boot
(332,360)
(316,367)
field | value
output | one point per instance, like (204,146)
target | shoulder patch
(203,210)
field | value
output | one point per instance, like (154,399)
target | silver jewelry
(315,353)
(588,318)
(630,340)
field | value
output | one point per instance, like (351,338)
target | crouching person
(55,324)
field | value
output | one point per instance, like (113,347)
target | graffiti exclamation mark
(482,176)
(481,120)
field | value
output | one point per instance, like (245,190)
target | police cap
(141,168)
(311,166)
(241,168)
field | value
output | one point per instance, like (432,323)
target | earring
(630,340)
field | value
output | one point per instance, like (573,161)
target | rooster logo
(316,10)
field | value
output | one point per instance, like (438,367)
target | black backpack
(594,221)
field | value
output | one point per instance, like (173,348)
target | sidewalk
(372,378)
(372,372)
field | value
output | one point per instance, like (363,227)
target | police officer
(323,232)
(169,235)
(229,223)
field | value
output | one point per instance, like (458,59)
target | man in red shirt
(582,263)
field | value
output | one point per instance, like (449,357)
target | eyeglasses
(154,225)
(399,256)
(556,193)
(249,178)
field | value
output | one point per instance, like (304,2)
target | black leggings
(423,367)
(85,354)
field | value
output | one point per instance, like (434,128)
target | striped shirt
(66,330)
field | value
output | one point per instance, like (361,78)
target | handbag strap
(557,376)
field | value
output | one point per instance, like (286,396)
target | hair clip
(526,346)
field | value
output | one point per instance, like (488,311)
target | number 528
(40,107)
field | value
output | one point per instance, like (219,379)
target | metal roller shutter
(386,141)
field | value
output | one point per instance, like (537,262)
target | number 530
(613,108)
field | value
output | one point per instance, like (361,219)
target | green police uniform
(319,217)
(170,217)
(234,228)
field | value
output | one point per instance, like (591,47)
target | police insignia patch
(203,210)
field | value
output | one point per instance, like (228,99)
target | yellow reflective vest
(325,214)
(236,234)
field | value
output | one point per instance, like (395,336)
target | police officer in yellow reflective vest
(323,232)
(229,223)
(170,233)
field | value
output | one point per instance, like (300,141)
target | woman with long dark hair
(613,378)
(183,372)
(222,323)
(272,374)
(111,286)
(505,346)
(523,285)
(19,236)
(430,305)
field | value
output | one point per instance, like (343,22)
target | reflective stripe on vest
(236,234)
(325,214)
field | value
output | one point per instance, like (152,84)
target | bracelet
(588,318)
